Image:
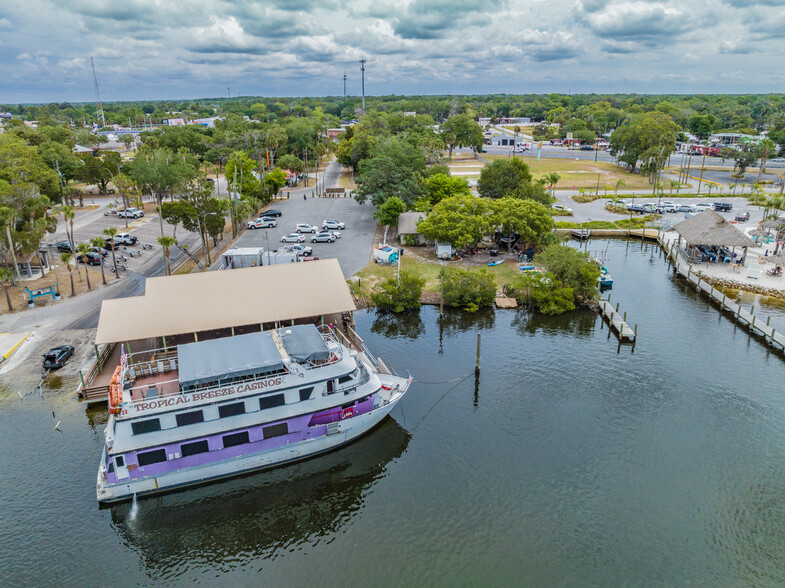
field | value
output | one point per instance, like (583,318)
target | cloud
(435,19)
(5,23)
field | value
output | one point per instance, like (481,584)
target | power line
(99,104)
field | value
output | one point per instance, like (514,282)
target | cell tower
(344,84)
(99,105)
(362,69)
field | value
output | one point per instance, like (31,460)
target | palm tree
(166,242)
(6,275)
(99,243)
(84,249)
(674,184)
(68,219)
(553,179)
(619,184)
(111,232)
(65,257)
(516,129)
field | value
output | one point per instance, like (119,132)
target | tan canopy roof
(175,305)
(709,228)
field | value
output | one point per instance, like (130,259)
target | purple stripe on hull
(300,429)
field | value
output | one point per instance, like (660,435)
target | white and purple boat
(218,408)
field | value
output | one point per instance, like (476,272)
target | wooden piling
(477,364)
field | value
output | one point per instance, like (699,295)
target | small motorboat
(605,280)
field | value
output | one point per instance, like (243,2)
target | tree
(470,290)
(572,268)
(99,243)
(111,232)
(84,249)
(526,218)
(544,292)
(620,183)
(510,177)
(6,276)
(398,295)
(647,139)
(292,163)
(552,179)
(389,211)
(743,157)
(394,170)
(129,192)
(460,220)
(65,257)
(461,131)
(166,242)
(765,148)
(162,173)
(441,186)
(673,184)
(99,170)
(126,139)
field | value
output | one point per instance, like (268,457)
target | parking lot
(353,249)
(148,261)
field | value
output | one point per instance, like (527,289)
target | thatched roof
(709,228)
(407,222)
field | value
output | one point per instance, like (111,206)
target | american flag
(123,357)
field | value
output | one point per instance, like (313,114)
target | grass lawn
(373,273)
(581,173)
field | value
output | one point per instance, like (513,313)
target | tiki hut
(709,229)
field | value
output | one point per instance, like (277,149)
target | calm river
(573,462)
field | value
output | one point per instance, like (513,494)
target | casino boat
(217,408)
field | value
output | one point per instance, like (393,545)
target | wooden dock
(616,321)
(743,316)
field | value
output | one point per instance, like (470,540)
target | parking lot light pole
(205,244)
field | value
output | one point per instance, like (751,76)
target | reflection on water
(407,325)
(259,514)
(581,322)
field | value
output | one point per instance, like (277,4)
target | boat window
(348,405)
(190,418)
(276,430)
(330,387)
(228,410)
(148,426)
(271,401)
(110,469)
(305,393)
(344,379)
(120,461)
(193,448)
(235,439)
(151,457)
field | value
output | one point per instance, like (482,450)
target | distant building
(410,113)
(6,115)
(334,134)
(732,138)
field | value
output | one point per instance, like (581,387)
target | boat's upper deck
(185,375)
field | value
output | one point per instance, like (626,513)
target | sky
(178,49)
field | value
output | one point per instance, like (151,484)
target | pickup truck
(722,206)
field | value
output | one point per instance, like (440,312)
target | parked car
(702,206)
(666,207)
(332,224)
(779,159)
(587,147)
(262,223)
(130,213)
(310,258)
(687,208)
(63,246)
(743,217)
(561,207)
(56,357)
(302,249)
(305,228)
(323,238)
(89,258)
(121,239)
(272,212)
(649,207)
(293,238)
(722,206)
(336,234)
(100,250)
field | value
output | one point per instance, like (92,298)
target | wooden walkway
(744,316)
(616,321)
(505,302)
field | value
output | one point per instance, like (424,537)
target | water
(572,462)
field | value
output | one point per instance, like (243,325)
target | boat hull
(343,433)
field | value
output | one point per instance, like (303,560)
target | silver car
(332,224)
(293,238)
(305,228)
(323,238)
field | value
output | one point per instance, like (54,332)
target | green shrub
(391,296)
(586,197)
(567,225)
(617,208)
(572,268)
(554,212)
(599,225)
(470,290)
(411,240)
(543,292)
